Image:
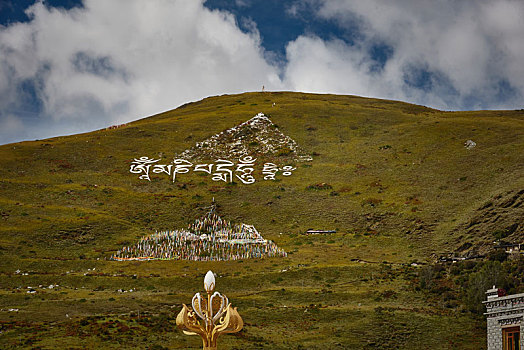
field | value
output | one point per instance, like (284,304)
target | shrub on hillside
(491,274)
(320,186)
(497,255)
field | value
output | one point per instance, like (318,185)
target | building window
(511,338)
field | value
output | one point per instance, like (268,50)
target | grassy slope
(73,198)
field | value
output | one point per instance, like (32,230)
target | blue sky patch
(278,23)
(380,53)
(12,11)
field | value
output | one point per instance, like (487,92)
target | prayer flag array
(209,238)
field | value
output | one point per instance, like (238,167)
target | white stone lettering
(269,171)
(221,169)
(207,168)
(288,170)
(162,168)
(246,167)
(222,173)
(142,165)
(182,166)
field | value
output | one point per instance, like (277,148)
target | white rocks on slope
(256,136)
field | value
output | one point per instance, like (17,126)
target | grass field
(403,190)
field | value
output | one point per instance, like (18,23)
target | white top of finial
(209,282)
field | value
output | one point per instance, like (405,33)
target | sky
(71,66)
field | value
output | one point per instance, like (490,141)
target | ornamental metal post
(209,317)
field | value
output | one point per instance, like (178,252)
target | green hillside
(394,180)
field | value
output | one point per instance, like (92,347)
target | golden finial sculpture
(209,317)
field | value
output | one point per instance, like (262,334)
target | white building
(505,318)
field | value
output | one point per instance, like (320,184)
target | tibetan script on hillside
(221,170)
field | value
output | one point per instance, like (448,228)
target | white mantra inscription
(221,170)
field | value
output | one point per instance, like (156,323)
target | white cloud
(315,65)
(114,61)
(470,53)
(10,124)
